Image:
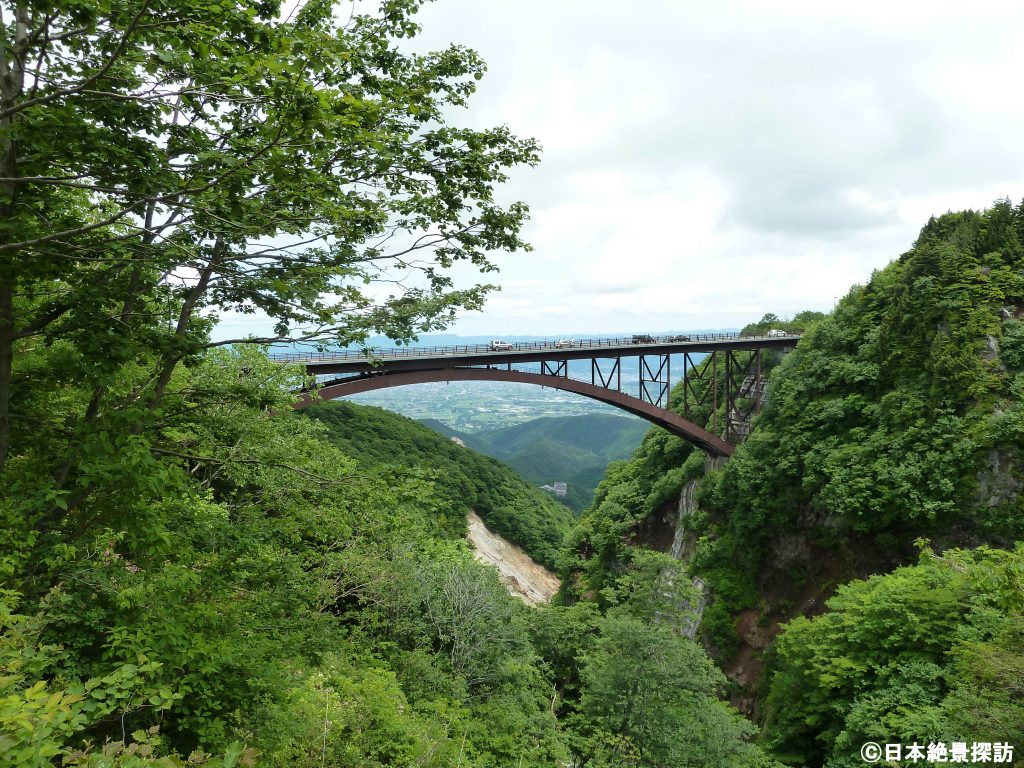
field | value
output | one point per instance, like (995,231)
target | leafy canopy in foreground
(163,160)
(180,550)
(252,584)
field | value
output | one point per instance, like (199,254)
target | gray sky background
(705,163)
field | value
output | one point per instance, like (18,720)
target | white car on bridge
(565,343)
(499,346)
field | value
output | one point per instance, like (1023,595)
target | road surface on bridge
(419,358)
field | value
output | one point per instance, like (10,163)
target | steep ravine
(524,578)
(745,666)
(682,549)
(684,542)
(757,627)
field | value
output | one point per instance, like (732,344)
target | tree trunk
(188,308)
(12,81)
(6,365)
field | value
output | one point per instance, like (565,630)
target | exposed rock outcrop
(524,578)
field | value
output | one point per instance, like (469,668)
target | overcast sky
(705,163)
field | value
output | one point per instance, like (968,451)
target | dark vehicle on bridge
(642,338)
(677,338)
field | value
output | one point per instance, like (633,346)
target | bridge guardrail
(376,353)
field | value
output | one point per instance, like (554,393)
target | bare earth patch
(524,578)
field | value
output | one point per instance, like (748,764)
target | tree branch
(122,45)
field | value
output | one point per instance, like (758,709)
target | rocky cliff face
(682,540)
(524,578)
(682,549)
(999,480)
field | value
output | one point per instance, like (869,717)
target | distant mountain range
(573,449)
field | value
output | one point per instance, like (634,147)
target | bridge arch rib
(673,422)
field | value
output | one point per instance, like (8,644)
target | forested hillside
(571,449)
(191,572)
(251,583)
(461,478)
(898,420)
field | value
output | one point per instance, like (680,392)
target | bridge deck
(368,369)
(432,358)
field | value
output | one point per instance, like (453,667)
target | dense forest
(194,573)
(461,478)
(859,554)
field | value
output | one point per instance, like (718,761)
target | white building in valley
(559,489)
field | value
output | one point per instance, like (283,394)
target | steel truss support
(742,393)
(654,379)
(555,368)
(729,379)
(603,377)
(700,386)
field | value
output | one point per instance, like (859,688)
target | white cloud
(706,163)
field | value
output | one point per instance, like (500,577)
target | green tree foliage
(800,322)
(632,689)
(181,551)
(930,652)
(267,590)
(883,414)
(661,708)
(899,415)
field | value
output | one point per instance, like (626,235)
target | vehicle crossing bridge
(732,378)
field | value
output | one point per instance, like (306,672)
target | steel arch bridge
(732,378)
